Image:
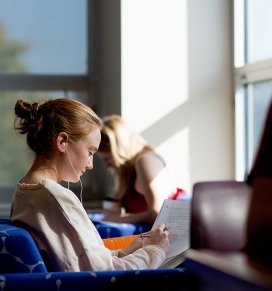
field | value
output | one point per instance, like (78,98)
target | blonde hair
(124,144)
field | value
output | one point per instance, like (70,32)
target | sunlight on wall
(155,76)
(240,136)
(178,160)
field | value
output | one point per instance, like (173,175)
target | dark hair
(43,122)
(262,166)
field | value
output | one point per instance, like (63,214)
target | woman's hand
(110,215)
(158,236)
(136,244)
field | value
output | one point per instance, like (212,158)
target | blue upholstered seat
(22,268)
(18,251)
(171,279)
(109,229)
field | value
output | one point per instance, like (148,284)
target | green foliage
(14,156)
(10,51)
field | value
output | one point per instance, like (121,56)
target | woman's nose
(90,164)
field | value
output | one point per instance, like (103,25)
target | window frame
(60,82)
(245,75)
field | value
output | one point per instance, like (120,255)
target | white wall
(210,90)
(176,83)
(154,77)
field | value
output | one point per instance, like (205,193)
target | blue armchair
(22,267)
(112,229)
(108,229)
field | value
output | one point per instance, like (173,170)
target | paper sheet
(175,214)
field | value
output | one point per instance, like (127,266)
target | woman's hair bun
(26,110)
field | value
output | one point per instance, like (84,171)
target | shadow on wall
(205,119)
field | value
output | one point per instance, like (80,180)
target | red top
(134,202)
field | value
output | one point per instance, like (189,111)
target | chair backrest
(18,251)
(219,215)
(108,229)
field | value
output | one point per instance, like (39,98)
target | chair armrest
(224,271)
(163,279)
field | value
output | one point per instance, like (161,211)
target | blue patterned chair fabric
(18,251)
(111,229)
(170,279)
(22,268)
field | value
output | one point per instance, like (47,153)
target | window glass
(253,92)
(43,37)
(259,25)
(259,98)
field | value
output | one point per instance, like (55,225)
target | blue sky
(56,31)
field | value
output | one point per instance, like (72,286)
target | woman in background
(65,134)
(142,180)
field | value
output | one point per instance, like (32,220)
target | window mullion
(42,82)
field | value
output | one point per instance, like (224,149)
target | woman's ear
(62,141)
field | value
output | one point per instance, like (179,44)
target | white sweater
(61,227)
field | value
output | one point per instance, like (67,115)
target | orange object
(121,242)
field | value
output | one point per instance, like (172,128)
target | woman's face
(79,156)
(107,158)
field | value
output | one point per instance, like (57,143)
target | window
(253,77)
(43,52)
(44,37)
